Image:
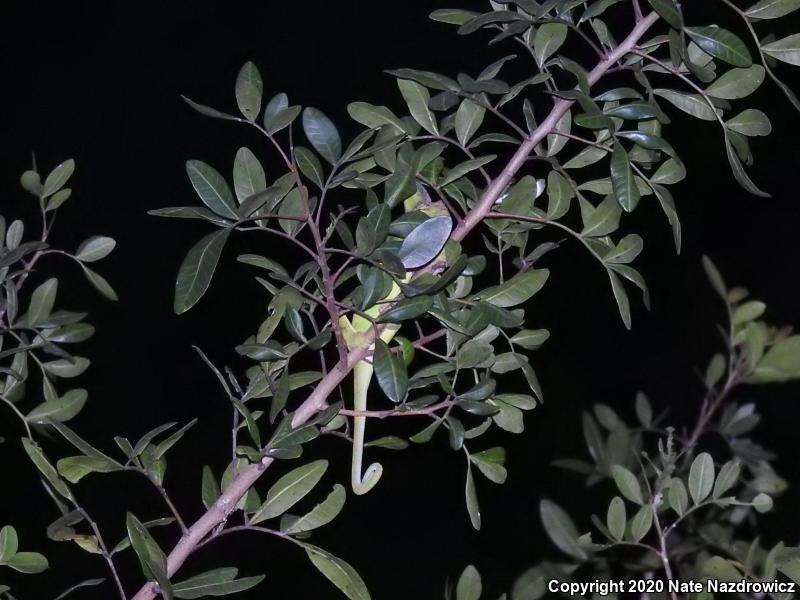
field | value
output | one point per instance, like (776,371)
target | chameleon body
(353,332)
(362,375)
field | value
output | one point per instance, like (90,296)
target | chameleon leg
(361,485)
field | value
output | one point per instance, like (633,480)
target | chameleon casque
(354,330)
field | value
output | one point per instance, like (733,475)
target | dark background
(101,82)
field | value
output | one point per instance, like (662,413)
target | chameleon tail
(361,485)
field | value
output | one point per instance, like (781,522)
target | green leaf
(748,311)
(548,39)
(322,514)
(584,158)
(510,418)
(627,483)
(209,490)
(42,301)
(59,409)
(453,16)
(604,219)
(516,290)
(720,569)
(218,582)
(692,104)
(373,116)
(780,363)
(190,212)
(417,98)
(722,44)
(70,334)
(389,442)
(647,140)
(772,9)
(322,134)
(262,352)
(163,447)
(530,585)
(470,493)
(400,184)
(425,242)
(489,18)
(77,586)
(309,165)
(9,543)
(738,170)
(669,11)
(426,78)
(248,175)
(559,194)
(45,468)
(472,354)
(262,261)
(99,283)
(338,572)
(786,50)
(197,269)
(249,89)
(86,448)
(373,229)
(95,248)
(750,122)
(281,120)
(644,412)
(209,111)
(469,585)
(701,477)
(469,117)
(151,557)
(58,177)
(466,167)
(641,523)
(31,182)
(670,172)
(212,188)
(561,529)
(677,497)
(28,562)
(490,463)
(616,518)
(762,503)
(737,83)
(622,180)
(409,308)
(289,490)
(390,372)
(626,250)
(277,105)
(292,206)
(634,111)
(727,478)
(739,173)
(75,468)
(556,142)
(530,339)
(715,278)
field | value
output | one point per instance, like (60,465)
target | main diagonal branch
(317,400)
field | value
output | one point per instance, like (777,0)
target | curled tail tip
(370,479)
